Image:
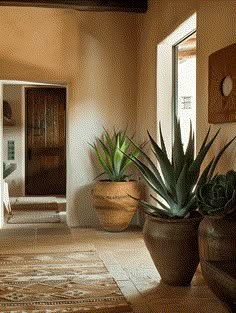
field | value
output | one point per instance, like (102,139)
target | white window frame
(165,84)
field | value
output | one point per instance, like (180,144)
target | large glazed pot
(114,207)
(217,250)
(173,246)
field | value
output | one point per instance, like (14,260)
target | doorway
(45,155)
(14,92)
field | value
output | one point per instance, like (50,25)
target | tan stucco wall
(216,22)
(95,54)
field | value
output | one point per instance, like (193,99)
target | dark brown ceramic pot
(217,250)
(173,246)
(217,239)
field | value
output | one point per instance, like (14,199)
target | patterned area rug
(33,217)
(58,283)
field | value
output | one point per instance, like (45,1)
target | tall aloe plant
(179,177)
(115,153)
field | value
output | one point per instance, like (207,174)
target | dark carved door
(45,141)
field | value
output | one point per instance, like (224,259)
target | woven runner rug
(72,282)
(30,205)
(32,217)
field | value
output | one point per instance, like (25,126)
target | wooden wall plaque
(222,86)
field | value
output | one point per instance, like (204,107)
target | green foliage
(217,196)
(114,153)
(176,180)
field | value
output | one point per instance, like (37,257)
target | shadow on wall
(141,216)
(82,209)
(15,187)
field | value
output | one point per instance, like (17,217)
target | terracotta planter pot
(113,205)
(173,246)
(217,250)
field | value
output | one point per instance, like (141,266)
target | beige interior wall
(95,54)
(13,94)
(215,30)
(216,22)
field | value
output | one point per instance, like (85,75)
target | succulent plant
(110,150)
(218,195)
(177,180)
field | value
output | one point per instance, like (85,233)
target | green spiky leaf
(110,149)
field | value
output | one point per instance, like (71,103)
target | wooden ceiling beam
(84,5)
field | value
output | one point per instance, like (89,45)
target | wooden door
(45,141)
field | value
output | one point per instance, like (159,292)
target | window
(186,102)
(166,80)
(184,84)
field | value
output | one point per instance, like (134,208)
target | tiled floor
(127,259)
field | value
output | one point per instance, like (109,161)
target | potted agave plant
(217,241)
(115,209)
(171,224)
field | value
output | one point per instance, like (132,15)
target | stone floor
(127,259)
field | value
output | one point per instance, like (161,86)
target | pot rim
(218,217)
(174,220)
(106,181)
